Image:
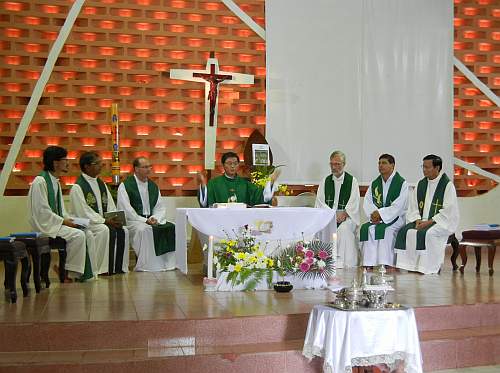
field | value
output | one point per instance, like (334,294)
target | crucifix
(213,78)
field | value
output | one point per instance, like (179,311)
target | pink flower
(299,248)
(304,267)
(309,254)
(323,254)
(309,260)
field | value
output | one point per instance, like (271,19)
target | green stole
(377,197)
(90,196)
(55,202)
(163,234)
(344,194)
(221,188)
(437,203)
(56,208)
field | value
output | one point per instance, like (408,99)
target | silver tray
(362,308)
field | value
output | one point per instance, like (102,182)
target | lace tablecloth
(362,338)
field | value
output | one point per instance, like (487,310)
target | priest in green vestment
(340,191)
(232,188)
(151,235)
(48,215)
(385,206)
(90,198)
(432,217)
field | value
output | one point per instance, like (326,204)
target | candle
(210,256)
(334,246)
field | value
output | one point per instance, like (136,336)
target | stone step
(441,349)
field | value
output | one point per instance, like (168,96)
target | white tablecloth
(362,338)
(288,224)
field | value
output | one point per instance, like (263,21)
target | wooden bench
(477,239)
(11,253)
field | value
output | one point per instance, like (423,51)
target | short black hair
(87,159)
(51,154)
(227,155)
(137,162)
(388,157)
(436,160)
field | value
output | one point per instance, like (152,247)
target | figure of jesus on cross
(212,77)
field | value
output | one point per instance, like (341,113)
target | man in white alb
(340,191)
(432,217)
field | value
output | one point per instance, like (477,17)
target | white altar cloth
(297,282)
(362,338)
(288,224)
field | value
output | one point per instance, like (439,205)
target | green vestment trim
(436,206)
(344,194)
(163,234)
(378,200)
(90,196)
(55,204)
(221,188)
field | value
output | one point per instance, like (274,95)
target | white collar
(436,180)
(89,178)
(53,178)
(139,181)
(229,177)
(390,177)
(340,179)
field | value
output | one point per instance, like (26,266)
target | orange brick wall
(477,119)
(120,52)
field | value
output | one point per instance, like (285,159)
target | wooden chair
(476,239)
(37,247)
(11,253)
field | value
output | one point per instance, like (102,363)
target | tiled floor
(172,295)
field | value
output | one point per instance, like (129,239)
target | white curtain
(363,76)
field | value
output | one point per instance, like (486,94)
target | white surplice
(347,246)
(141,234)
(431,259)
(376,252)
(81,209)
(43,220)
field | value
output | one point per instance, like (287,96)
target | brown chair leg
(462,249)
(477,250)
(491,258)
(455,245)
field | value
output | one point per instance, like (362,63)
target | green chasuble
(344,194)
(163,234)
(220,189)
(377,197)
(436,206)
(89,195)
(55,204)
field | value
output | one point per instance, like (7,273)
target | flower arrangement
(262,174)
(244,260)
(306,260)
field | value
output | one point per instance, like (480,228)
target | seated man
(432,217)
(48,215)
(90,198)
(385,206)
(232,188)
(340,191)
(152,237)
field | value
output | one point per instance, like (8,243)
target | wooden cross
(212,77)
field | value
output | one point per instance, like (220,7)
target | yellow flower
(237,267)
(260,254)
(270,262)
(240,256)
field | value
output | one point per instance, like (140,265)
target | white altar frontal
(273,227)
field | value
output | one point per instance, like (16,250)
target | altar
(273,227)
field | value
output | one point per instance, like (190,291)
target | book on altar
(230,205)
(120,214)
